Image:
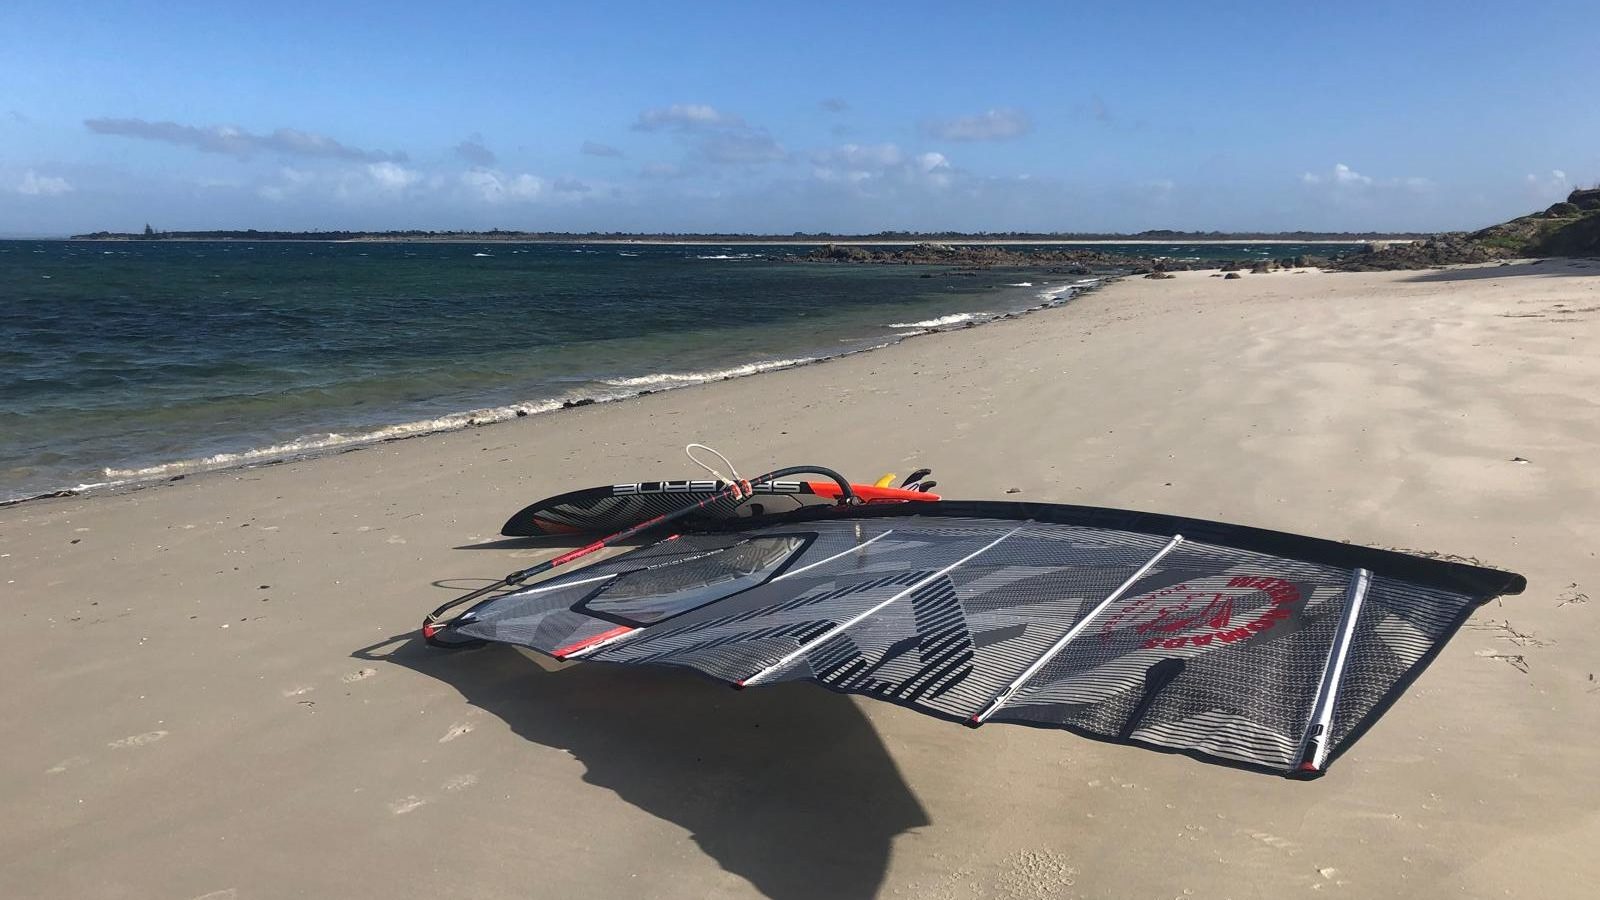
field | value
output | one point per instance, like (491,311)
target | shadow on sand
(1548,267)
(787,786)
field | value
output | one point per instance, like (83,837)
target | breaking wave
(315,444)
(330,441)
(678,379)
(952,319)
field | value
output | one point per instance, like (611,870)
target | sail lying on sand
(1250,647)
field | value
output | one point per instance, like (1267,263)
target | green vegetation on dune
(1568,228)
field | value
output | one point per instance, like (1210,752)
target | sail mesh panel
(1214,650)
(1250,633)
(1400,625)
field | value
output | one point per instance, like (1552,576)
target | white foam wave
(678,379)
(725,256)
(1021,284)
(332,440)
(1061,293)
(311,444)
(483,254)
(952,319)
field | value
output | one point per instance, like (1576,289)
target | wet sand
(213,687)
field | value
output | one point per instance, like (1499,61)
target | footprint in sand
(406,804)
(138,740)
(456,730)
(1330,878)
(362,675)
(224,894)
(1271,840)
(66,764)
(461,782)
(1036,874)
(299,691)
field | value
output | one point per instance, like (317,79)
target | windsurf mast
(1314,749)
(817,641)
(1012,689)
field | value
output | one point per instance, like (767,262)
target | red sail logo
(1196,615)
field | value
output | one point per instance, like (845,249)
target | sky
(777,118)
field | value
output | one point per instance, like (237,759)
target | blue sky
(785,117)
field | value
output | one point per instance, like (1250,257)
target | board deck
(613,507)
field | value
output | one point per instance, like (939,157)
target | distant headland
(798,237)
(1568,228)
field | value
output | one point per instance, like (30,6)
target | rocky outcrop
(1444,250)
(1586,201)
(978,257)
(1568,228)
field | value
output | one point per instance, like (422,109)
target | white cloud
(869,165)
(1554,186)
(35,185)
(499,187)
(995,125)
(1341,175)
(859,156)
(234,141)
(716,137)
(390,176)
(1347,182)
(834,104)
(290,182)
(686,117)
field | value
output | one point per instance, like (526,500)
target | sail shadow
(787,786)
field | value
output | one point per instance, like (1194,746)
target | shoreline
(228,671)
(1103,242)
(1052,296)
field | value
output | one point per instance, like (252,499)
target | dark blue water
(127,360)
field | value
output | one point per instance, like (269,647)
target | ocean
(128,361)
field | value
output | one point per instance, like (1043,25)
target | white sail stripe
(840,628)
(628,636)
(855,549)
(1061,643)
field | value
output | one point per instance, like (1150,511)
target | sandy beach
(215,690)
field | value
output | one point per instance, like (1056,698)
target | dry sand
(212,689)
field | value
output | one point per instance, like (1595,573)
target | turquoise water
(121,361)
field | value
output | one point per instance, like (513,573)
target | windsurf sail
(611,507)
(1254,648)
